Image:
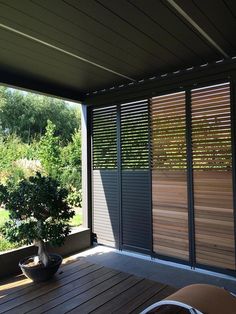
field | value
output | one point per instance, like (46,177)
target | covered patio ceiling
(74,49)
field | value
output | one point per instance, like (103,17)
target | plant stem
(42,252)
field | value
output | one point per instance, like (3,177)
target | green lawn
(4,244)
(77,219)
(4,215)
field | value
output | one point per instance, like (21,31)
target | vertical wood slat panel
(105,176)
(212,176)
(169,176)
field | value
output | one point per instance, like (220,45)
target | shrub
(49,151)
(39,212)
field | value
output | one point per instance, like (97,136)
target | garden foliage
(38,210)
(40,134)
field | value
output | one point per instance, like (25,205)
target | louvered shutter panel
(169,176)
(104,176)
(212,173)
(136,207)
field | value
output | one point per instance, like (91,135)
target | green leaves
(32,112)
(38,211)
(3,194)
(70,176)
(49,151)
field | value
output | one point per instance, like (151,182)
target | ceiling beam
(212,73)
(197,27)
(44,43)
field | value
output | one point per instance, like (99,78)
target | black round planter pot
(40,273)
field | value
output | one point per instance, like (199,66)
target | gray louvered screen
(136,210)
(105,207)
(104,138)
(134,135)
(104,179)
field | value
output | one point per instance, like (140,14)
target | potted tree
(39,213)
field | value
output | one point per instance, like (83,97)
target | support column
(86,166)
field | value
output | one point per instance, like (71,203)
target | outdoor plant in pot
(39,214)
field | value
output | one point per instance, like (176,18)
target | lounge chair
(196,299)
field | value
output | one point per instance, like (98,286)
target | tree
(3,101)
(26,115)
(71,168)
(49,151)
(39,213)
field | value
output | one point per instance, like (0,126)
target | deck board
(81,287)
(158,296)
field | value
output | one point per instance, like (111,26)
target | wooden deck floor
(81,287)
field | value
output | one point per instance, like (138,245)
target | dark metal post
(191,222)
(84,131)
(86,167)
(119,174)
(150,172)
(90,166)
(233,137)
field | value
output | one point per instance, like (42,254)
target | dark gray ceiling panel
(216,18)
(96,44)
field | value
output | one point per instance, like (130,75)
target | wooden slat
(158,296)
(106,296)
(210,89)
(212,173)
(165,98)
(169,182)
(137,301)
(125,297)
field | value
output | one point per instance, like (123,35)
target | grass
(6,245)
(4,216)
(76,220)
